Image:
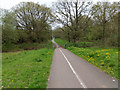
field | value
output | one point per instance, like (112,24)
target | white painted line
(77,76)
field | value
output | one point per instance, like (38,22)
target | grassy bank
(104,58)
(61,42)
(26,69)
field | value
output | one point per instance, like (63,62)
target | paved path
(70,71)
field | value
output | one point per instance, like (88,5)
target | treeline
(27,22)
(80,21)
(84,21)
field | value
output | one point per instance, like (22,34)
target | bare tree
(70,14)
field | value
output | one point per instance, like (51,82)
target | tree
(70,13)
(9,33)
(33,18)
(103,13)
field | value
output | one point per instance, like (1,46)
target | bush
(10,36)
(9,47)
(81,44)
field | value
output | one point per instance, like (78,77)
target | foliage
(31,15)
(10,36)
(66,44)
(58,33)
(102,28)
(26,69)
(34,19)
(27,22)
(74,16)
(81,44)
(104,58)
(9,47)
(104,13)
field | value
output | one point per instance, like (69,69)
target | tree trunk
(68,37)
(104,22)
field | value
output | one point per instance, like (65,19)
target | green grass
(26,69)
(104,58)
(61,42)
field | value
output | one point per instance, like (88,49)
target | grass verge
(26,69)
(104,58)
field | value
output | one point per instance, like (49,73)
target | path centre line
(80,81)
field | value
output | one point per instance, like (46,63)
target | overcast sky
(7,4)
